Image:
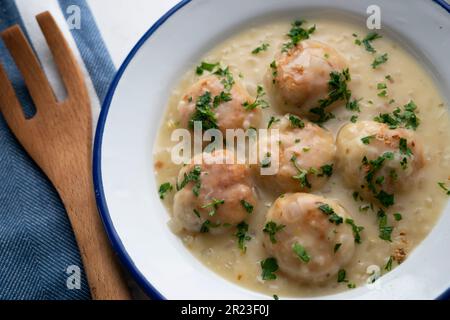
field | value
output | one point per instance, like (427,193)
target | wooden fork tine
(10,105)
(63,56)
(28,64)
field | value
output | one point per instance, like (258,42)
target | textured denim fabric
(37,244)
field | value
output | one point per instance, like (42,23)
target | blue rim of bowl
(117,244)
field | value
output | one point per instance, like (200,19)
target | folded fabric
(38,252)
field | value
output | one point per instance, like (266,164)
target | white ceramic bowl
(126,189)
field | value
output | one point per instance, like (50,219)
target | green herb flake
(259,102)
(214,205)
(247,206)
(403,146)
(221,98)
(272,121)
(366,140)
(297,34)
(326,170)
(341,277)
(242,235)
(203,113)
(301,253)
(192,176)
(207,225)
(337,90)
(356,229)
(386,199)
(269,266)
(271,228)
(163,189)
(444,187)
(273,66)
(385,231)
(398,216)
(261,48)
(206,66)
(302,174)
(388,266)
(379,60)
(296,122)
(329,211)
(367,41)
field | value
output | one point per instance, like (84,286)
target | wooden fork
(59,139)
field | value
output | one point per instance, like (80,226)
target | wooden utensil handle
(100,263)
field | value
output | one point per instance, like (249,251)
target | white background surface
(123,22)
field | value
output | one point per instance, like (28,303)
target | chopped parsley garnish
(247,206)
(326,170)
(444,187)
(354,118)
(398,216)
(241,234)
(297,34)
(407,118)
(353,105)
(366,140)
(388,266)
(207,225)
(192,176)
(386,199)
(342,276)
(296,122)
(269,266)
(301,253)
(275,297)
(389,77)
(337,90)
(205,66)
(302,175)
(367,41)
(379,60)
(271,228)
(381,86)
(403,146)
(273,66)
(332,216)
(337,246)
(203,113)
(227,77)
(262,47)
(259,102)
(372,167)
(214,204)
(163,189)
(221,98)
(272,121)
(385,231)
(356,229)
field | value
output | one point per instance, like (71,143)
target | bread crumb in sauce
(420,207)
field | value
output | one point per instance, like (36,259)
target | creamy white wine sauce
(420,206)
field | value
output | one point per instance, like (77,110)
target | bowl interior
(123,164)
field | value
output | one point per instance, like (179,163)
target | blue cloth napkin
(37,246)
